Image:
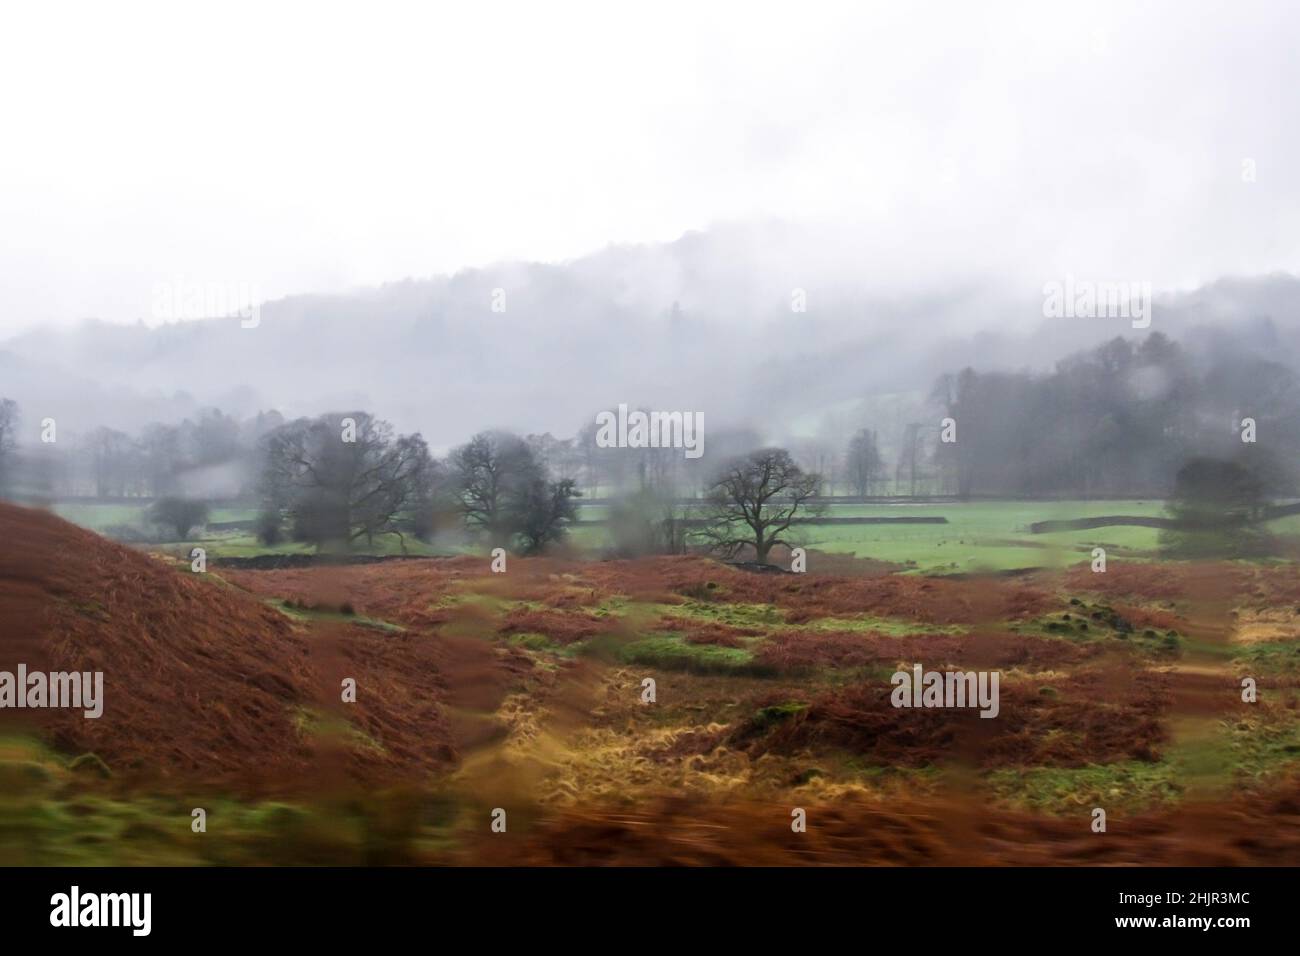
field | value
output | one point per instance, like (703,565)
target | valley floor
(527,693)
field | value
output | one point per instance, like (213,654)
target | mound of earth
(197,676)
(203,680)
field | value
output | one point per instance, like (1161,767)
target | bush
(1218,506)
(646,523)
(179,514)
(269,529)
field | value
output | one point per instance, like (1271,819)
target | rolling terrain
(523,691)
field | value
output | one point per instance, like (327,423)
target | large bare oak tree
(755,499)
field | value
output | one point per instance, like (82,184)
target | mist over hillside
(668,434)
(710,323)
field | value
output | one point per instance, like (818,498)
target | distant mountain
(705,323)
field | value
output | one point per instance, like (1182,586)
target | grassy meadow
(978,536)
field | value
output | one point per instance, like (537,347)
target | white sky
(315,147)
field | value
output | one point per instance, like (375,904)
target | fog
(660,424)
(511,218)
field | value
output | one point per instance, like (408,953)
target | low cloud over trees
(1123,420)
(1120,420)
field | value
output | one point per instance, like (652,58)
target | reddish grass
(799,650)
(946,830)
(558,626)
(1094,717)
(204,681)
(707,632)
(199,678)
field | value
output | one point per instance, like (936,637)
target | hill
(203,680)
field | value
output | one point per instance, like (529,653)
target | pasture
(978,536)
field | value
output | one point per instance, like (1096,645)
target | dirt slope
(199,677)
(205,682)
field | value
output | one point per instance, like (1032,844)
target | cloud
(301,149)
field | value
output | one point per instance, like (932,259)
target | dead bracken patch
(206,682)
(559,626)
(945,830)
(1097,717)
(795,650)
(198,679)
(708,632)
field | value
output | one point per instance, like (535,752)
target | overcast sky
(315,147)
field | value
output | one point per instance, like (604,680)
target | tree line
(339,479)
(1123,419)
(1119,420)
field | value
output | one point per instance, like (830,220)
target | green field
(245,545)
(978,536)
(98,516)
(986,535)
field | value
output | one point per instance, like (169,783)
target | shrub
(179,514)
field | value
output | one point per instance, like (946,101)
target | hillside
(203,681)
(704,322)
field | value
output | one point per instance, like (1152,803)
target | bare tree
(911,458)
(213,438)
(179,514)
(116,462)
(544,512)
(506,494)
(754,500)
(436,506)
(492,473)
(8,440)
(863,461)
(341,483)
(161,446)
